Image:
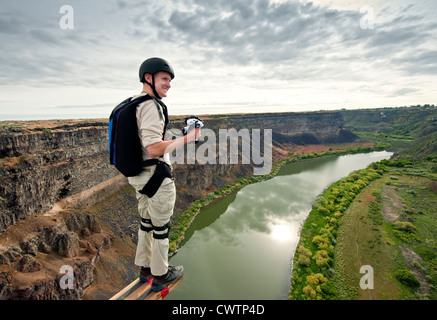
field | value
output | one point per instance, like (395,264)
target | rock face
(318,124)
(37,169)
(66,165)
(35,253)
(303,127)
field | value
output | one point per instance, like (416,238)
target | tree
(304,261)
(316,279)
(304,256)
(321,242)
(322,259)
(310,292)
(304,251)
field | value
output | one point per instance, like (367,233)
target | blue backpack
(124,143)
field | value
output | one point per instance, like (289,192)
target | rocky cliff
(406,121)
(39,167)
(34,254)
(52,172)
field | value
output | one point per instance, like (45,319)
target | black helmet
(153,65)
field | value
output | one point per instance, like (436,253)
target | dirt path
(391,203)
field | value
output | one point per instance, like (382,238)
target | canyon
(63,204)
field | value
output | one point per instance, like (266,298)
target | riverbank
(253,232)
(381,247)
(184,219)
(313,261)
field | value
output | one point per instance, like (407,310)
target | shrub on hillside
(404,226)
(407,277)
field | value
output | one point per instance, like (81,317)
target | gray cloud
(419,62)
(279,35)
(290,39)
(37,52)
(403,92)
(242,34)
(217,46)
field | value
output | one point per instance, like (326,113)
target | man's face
(162,82)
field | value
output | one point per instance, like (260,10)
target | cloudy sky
(229,55)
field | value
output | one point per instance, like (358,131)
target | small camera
(192,122)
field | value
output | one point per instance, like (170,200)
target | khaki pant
(150,251)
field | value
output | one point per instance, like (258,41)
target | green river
(242,245)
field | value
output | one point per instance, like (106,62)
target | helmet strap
(152,85)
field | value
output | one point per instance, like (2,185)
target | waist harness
(162,171)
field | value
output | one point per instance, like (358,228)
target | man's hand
(160,148)
(193,135)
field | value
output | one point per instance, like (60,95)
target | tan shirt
(150,125)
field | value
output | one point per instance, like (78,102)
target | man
(153,244)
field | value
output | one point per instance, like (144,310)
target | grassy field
(390,228)
(382,242)
(363,242)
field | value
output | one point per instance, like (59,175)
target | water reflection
(241,246)
(280,232)
(209,215)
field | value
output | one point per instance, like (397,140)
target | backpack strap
(166,120)
(165,117)
(150,162)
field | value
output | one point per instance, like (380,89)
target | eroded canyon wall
(53,172)
(40,166)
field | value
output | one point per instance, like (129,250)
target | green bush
(304,251)
(304,261)
(323,210)
(404,226)
(407,277)
(397,163)
(320,242)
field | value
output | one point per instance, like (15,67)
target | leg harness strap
(147,226)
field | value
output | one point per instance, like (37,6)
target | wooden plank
(131,286)
(138,290)
(145,288)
